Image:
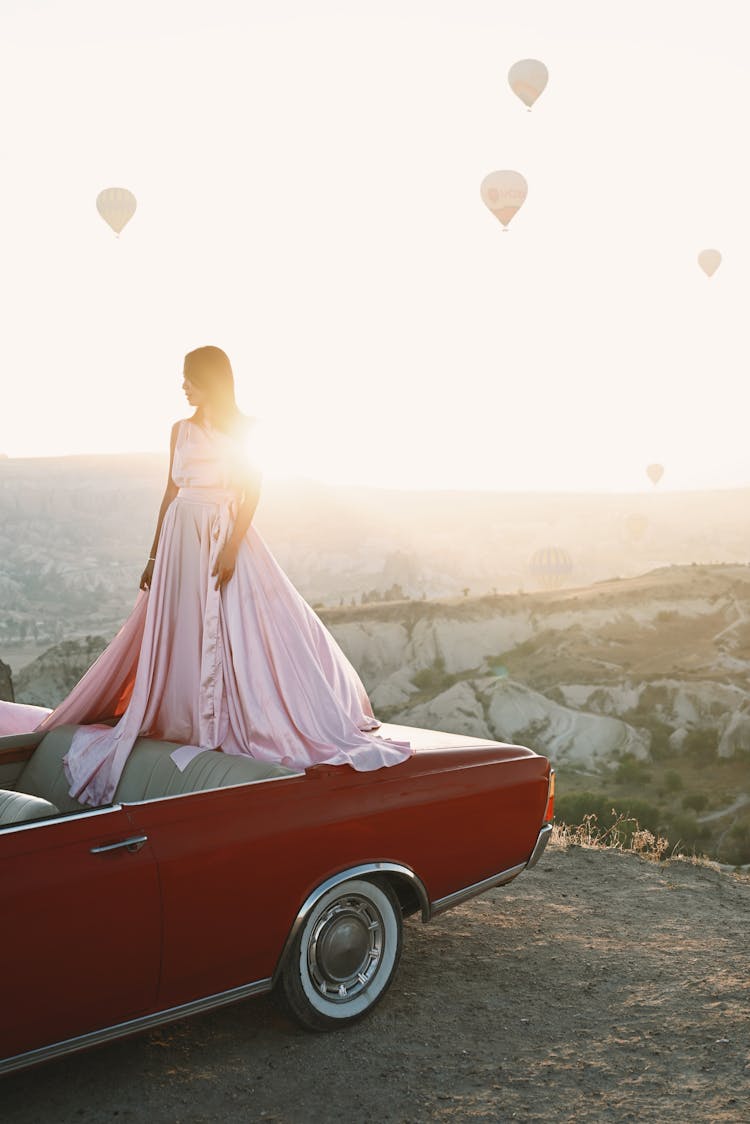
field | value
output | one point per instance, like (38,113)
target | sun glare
(390,330)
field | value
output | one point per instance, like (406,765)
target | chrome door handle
(133,844)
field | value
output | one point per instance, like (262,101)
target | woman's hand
(147,575)
(224,565)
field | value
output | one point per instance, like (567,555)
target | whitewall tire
(344,956)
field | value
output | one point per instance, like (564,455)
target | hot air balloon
(504,193)
(117,206)
(655,472)
(527,79)
(636,526)
(551,566)
(709,261)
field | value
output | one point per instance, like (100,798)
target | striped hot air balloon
(503,193)
(527,79)
(551,566)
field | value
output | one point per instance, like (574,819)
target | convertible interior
(33,784)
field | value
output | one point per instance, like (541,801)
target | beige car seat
(149,771)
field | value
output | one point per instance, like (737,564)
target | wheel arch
(406,884)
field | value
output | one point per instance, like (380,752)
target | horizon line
(5,459)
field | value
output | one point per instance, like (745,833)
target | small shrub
(660,747)
(432,678)
(673,781)
(736,854)
(632,771)
(700,747)
(684,830)
(695,801)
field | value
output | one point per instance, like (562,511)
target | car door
(233,868)
(81,933)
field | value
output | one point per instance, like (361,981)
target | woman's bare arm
(169,494)
(244,515)
(225,563)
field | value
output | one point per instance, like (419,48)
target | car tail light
(549,811)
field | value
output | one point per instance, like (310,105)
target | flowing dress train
(250,669)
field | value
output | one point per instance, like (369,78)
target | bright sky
(307,177)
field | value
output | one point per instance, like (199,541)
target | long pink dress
(250,669)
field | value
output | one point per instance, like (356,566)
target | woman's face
(195,396)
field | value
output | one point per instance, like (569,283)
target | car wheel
(344,956)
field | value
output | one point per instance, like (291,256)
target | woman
(220,651)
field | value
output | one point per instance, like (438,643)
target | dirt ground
(599,987)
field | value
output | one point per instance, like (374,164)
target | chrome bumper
(541,843)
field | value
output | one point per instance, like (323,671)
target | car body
(199,887)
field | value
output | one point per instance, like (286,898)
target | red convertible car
(199,887)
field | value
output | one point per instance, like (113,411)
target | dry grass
(625,834)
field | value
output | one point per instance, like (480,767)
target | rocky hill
(637,689)
(6,682)
(49,678)
(667,651)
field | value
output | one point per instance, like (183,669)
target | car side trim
(132,1026)
(441,904)
(360,871)
(30,825)
(501,879)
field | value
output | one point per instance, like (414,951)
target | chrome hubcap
(345,948)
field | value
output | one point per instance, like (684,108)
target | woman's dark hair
(210,369)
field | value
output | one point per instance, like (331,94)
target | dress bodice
(208,458)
